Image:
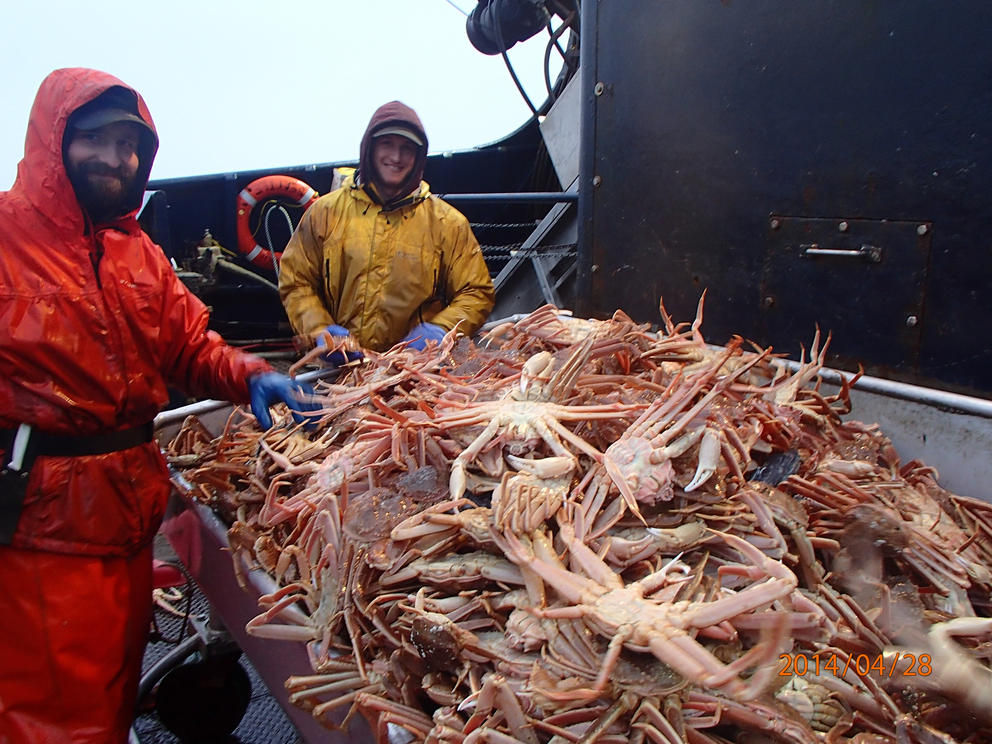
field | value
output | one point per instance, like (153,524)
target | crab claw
(457,480)
(546,467)
(620,481)
(538,367)
(709,458)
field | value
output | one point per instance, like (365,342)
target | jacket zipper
(420,310)
(328,300)
(365,303)
(110,318)
(96,255)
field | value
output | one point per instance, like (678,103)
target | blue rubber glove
(269,388)
(422,333)
(337,358)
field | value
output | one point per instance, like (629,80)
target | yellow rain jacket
(380,273)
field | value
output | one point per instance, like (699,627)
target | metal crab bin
(950,432)
(199,538)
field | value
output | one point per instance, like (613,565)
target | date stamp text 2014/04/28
(884,665)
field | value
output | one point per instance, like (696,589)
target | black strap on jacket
(19,454)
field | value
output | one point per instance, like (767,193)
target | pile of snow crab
(592,531)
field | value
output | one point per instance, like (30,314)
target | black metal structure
(804,163)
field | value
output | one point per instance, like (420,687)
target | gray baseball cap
(402,132)
(116,104)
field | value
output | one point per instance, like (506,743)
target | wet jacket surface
(380,269)
(379,273)
(94,324)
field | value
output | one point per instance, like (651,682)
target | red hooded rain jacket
(94,324)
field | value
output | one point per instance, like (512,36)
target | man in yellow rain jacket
(381,259)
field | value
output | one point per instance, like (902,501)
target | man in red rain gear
(94,325)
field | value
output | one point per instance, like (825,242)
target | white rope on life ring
(287,188)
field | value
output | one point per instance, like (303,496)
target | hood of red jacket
(41,175)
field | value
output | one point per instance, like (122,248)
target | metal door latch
(870,253)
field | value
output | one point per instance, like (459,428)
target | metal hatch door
(861,280)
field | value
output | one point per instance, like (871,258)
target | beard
(103,192)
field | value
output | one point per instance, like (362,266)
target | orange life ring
(268,187)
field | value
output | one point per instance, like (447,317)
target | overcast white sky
(261,84)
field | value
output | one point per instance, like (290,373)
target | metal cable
(551,254)
(503,225)
(512,251)
(535,250)
(553,44)
(513,74)
(457,8)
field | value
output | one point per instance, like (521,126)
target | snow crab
(640,461)
(626,614)
(528,414)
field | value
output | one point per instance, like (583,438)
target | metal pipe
(240,271)
(940,399)
(526,197)
(175,415)
(516,317)
(587,73)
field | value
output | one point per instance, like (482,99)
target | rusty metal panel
(861,280)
